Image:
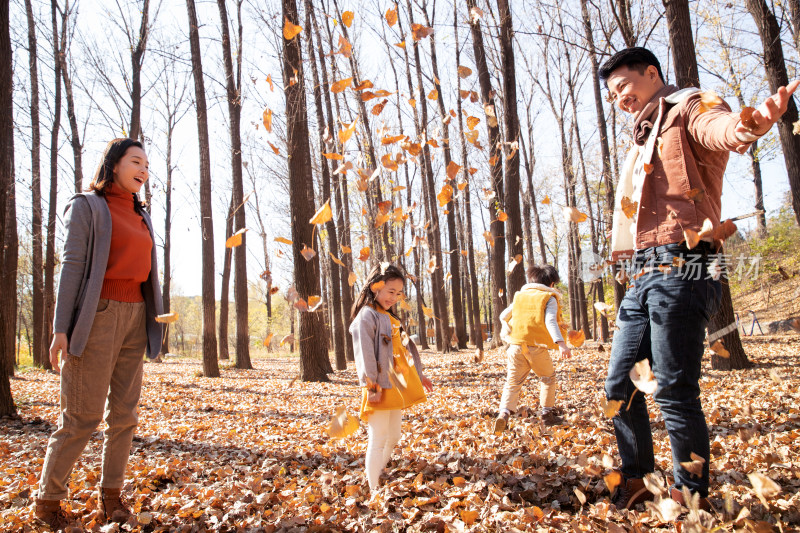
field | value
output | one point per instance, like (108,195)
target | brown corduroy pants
(103,384)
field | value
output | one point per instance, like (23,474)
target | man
(671,182)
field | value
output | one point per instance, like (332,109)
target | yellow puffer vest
(527,318)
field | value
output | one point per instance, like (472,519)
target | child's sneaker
(500,423)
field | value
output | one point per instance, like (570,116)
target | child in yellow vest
(532,325)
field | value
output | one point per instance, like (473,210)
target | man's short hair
(636,58)
(544,274)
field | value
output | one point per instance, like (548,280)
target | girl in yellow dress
(390,384)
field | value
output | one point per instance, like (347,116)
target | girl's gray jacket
(372,344)
(83,267)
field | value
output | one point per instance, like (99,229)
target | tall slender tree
(210,365)
(311,337)
(233,88)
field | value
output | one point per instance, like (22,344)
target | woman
(108,299)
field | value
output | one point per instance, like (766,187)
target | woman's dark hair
(104,176)
(544,274)
(636,58)
(381,272)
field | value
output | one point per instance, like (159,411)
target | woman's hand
(427,384)
(59,344)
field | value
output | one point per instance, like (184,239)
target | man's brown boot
(677,495)
(111,505)
(631,492)
(51,513)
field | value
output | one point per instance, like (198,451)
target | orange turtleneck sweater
(131,245)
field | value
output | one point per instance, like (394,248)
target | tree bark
(516,279)
(37,296)
(777,77)
(681,42)
(210,365)
(8,219)
(74,139)
(224,292)
(233,89)
(499,295)
(137,58)
(301,197)
(333,243)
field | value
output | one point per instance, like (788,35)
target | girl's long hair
(381,272)
(104,175)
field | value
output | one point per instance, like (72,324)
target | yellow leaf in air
(576,338)
(643,378)
(465,253)
(345,249)
(341,85)
(695,466)
(336,157)
(471,136)
(364,254)
(546,200)
(336,260)
(488,236)
(378,109)
(461,185)
(445,195)
(572,214)
(418,31)
(629,207)
(502,216)
(433,95)
(307,253)
(345,48)
(351,278)
(323,214)
(342,424)
(452,170)
(274,148)
(709,99)
(398,188)
(290,31)
(389,139)
(268,339)
(427,311)
(347,18)
(391,17)
(271,85)
(381,219)
(388,163)
(401,44)
(463,71)
(472,122)
(267,118)
(366,84)
(283,240)
(288,339)
(235,239)
(612,480)
(347,132)
(719,349)
(610,407)
(314,303)
(412,102)
(167,318)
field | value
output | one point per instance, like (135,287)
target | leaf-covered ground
(250,451)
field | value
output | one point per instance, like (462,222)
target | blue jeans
(663,318)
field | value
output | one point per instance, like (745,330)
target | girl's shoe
(112,506)
(500,423)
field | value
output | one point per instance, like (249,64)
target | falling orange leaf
(341,85)
(463,71)
(274,148)
(724,230)
(433,95)
(696,195)
(335,157)
(323,214)
(347,18)
(412,148)
(347,132)
(648,168)
(391,139)
(388,162)
(452,170)
(612,480)
(283,240)
(472,122)
(345,249)
(628,207)
(366,84)
(337,260)
(352,278)
(719,349)
(488,236)
(364,254)
(391,17)
(475,14)
(290,31)
(471,136)
(576,338)
(418,31)
(268,339)
(378,109)
(546,200)
(235,239)
(342,424)
(572,214)
(269,81)
(445,195)
(502,216)
(709,99)
(401,44)
(167,318)
(412,102)
(307,253)
(267,119)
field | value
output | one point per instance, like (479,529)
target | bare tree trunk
(516,279)
(74,138)
(36,193)
(233,89)
(450,207)
(137,58)
(337,323)
(166,262)
(224,294)
(50,252)
(499,295)
(775,67)
(530,163)
(301,197)
(210,365)
(8,219)
(681,42)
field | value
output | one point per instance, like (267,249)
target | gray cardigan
(83,267)
(372,334)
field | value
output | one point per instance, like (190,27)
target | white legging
(383,428)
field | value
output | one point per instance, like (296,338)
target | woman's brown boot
(51,513)
(112,507)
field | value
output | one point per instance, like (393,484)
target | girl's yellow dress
(393,398)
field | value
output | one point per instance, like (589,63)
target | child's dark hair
(544,274)
(381,272)
(636,58)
